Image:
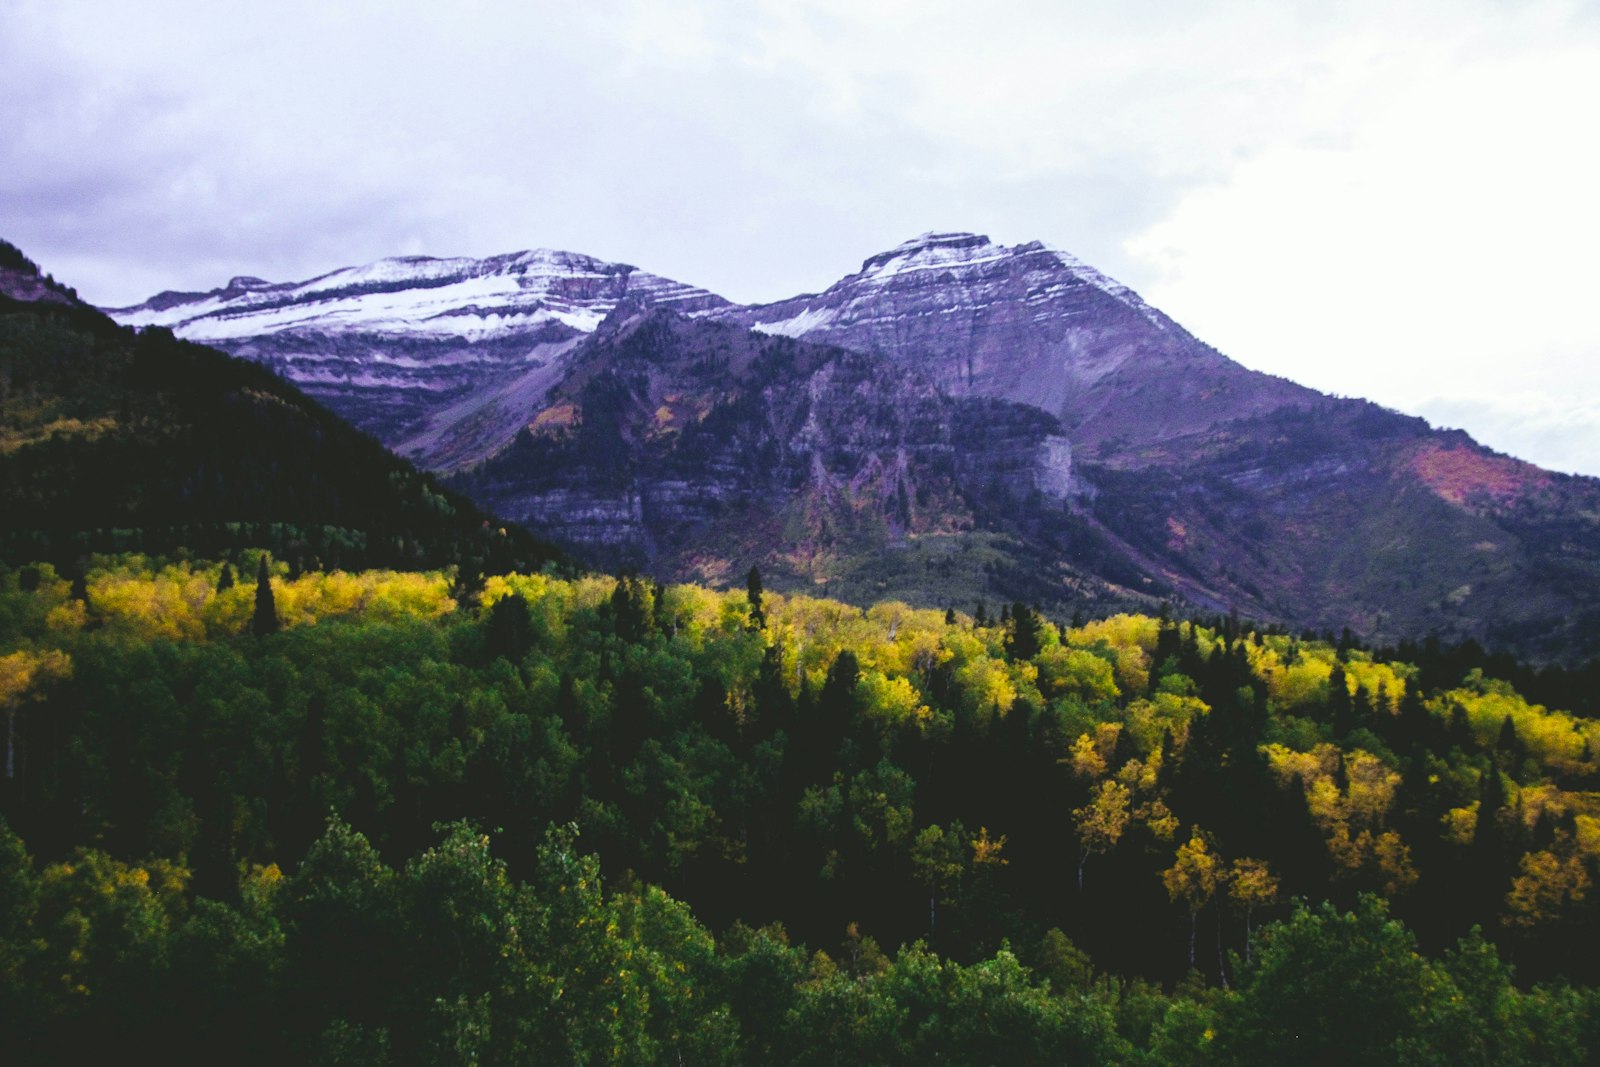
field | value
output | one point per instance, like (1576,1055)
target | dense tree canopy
(601,820)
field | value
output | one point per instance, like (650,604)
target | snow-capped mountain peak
(932,250)
(421,296)
(408,347)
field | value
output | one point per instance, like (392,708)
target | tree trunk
(1194,918)
(1222,962)
(11,750)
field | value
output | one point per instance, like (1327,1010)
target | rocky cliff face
(684,446)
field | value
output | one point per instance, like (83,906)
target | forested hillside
(376,817)
(116,441)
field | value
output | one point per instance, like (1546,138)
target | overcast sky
(1389,200)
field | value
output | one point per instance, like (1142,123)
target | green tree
(939,858)
(19,903)
(753,592)
(510,629)
(1327,986)
(265,619)
(1023,633)
(342,915)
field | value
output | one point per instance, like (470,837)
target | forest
(116,441)
(256,811)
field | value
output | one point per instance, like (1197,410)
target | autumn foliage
(602,820)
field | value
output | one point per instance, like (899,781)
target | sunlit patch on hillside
(1461,474)
(557,417)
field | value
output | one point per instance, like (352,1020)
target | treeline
(1010,793)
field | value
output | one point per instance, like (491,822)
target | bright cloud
(1443,254)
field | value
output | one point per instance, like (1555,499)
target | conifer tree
(265,620)
(758,616)
(1022,638)
(510,630)
(1338,700)
(1509,749)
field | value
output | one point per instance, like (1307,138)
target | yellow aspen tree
(1086,760)
(1251,885)
(1193,878)
(1549,882)
(22,673)
(1101,822)
(986,850)
(1394,861)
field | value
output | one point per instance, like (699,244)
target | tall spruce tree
(758,616)
(265,620)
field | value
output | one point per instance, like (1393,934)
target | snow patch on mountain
(967,268)
(1105,283)
(421,297)
(932,251)
(798,325)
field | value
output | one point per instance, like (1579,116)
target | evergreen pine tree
(1460,734)
(510,629)
(629,612)
(1339,701)
(1509,749)
(1022,638)
(1416,728)
(265,620)
(752,584)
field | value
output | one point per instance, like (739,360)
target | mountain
(439,358)
(1233,486)
(1118,459)
(1031,324)
(117,440)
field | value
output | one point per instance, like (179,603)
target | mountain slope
(1350,515)
(112,440)
(394,344)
